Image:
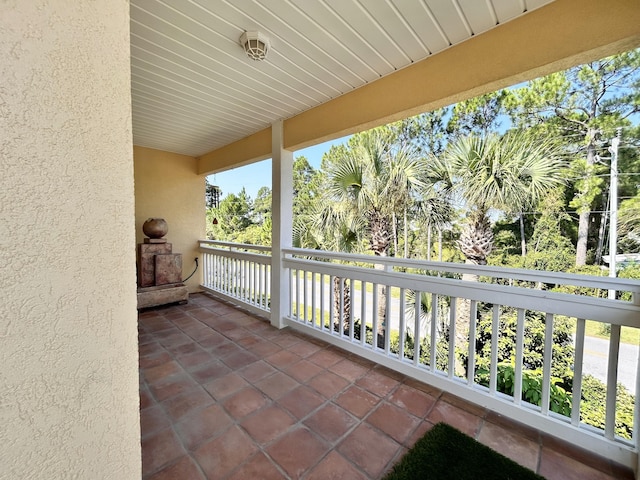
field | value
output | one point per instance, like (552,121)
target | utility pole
(613,196)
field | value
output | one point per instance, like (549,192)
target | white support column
(282,227)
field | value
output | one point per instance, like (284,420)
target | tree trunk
(346,302)
(583,222)
(581,245)
(523,241)
(476,239)
(395,235)
(603,225)
(382,311)
(463,309)
(406,235)
(380,240)
(476,243)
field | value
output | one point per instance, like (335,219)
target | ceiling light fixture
(255,44)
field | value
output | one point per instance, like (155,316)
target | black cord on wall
(194,271)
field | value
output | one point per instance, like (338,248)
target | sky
(253,177)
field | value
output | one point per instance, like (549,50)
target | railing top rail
(235,246)
(481,270)
(591,308)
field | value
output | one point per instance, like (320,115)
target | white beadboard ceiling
(194,89)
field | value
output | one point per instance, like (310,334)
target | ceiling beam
(247,150)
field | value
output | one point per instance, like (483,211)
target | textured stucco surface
(167,186)
(68,333)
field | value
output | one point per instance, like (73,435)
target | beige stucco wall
(68,333)
(167,186)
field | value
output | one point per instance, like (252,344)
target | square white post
(282,226)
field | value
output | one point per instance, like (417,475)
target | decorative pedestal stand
(159,270)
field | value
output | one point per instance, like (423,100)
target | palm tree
(372,179)
(509,173)
(431,210)
(425,306)
(328,227)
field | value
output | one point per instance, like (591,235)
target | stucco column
(69,405)
(282,226)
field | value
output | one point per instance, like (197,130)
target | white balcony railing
(340,299)
(238,272)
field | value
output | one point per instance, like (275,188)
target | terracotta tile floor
(223,395)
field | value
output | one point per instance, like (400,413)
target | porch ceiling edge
(253,148)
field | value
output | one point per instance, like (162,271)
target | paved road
(596,354)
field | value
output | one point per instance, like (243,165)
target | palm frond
(508,173)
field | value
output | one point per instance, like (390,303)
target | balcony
(325,382)
(225,395)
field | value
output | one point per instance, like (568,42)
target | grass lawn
(627,335)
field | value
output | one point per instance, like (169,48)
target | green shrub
(534,332)
(593,407)
(631,271)
(559,398)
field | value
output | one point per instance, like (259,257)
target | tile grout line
(272,402)
(172,424)
(326,402)
(331,401)
(221,433)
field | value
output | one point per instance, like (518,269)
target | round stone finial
(155,227)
